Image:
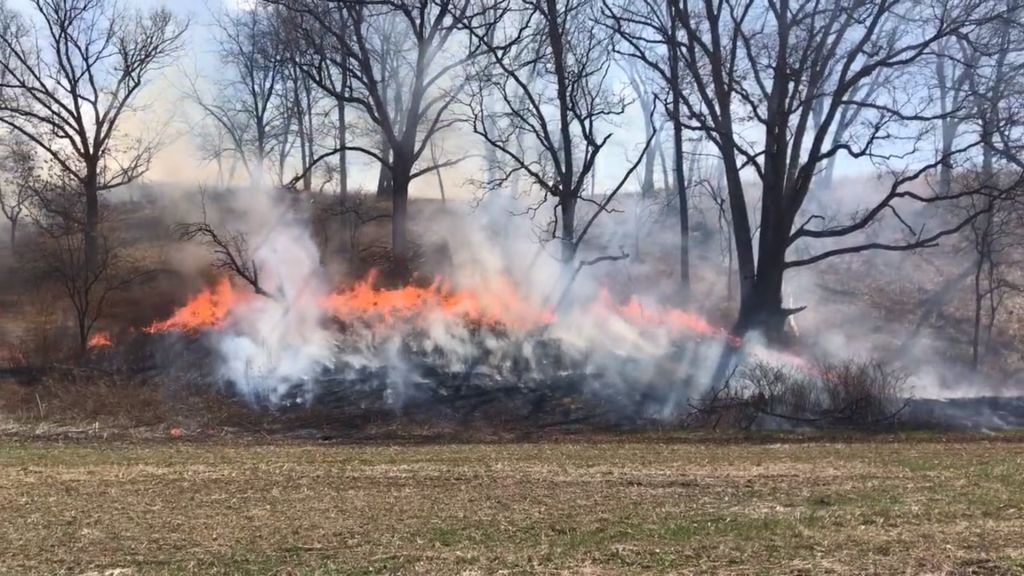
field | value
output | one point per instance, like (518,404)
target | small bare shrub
(44,336)
(862,394)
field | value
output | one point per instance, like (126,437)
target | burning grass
(622,505)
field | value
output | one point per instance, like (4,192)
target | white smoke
(273,344)
(288,347)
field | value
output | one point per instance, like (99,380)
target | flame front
(500,305)
(677,321)
(100,340)
(208,309)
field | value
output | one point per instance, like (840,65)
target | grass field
(632,505)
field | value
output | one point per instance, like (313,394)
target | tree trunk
(342,156)
(304,157)
(83,338)
(307,181)
(568,231)
(742,234)
(677,156)
(665,178)
(400,220)
(567,195)
(978,300)
(828,177)
(440,185)
(946,166)
(762,309)
(647,184)
(14,231)
(92,220)
(985,261)
(729,273)
(385,180)
(437,171)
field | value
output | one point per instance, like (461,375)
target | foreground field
(643,505)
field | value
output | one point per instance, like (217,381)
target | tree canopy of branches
(649,36)
(68,76)
(403,64)
(245,108)
(17,179)
(545,84)
(771,82)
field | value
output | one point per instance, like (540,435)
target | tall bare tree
(649,34)
(403,61)
(247,101)
(546,82)
(68,83)
(955,63)
(761,72)
(18,175)
(989,92)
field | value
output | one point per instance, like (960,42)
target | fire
(100,340)
(498,305)
(207,310)
(676,320)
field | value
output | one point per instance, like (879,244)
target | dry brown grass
(638,505)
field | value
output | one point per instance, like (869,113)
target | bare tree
(88,287)
(989,92)
(68,83)
(997,242)
(649,33)
(247,106)
(18,175)
(301,101)
(230,248)
(763,70)
(402,61)
(58,253)
(646,99)
(955,62)
(548,69)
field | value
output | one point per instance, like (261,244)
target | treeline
(777,92)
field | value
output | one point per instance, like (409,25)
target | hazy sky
(179,161)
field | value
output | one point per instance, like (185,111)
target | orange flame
(206,310)
(499,305)
(675,320)
(100,340)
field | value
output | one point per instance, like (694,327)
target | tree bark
(946,168)
(677,155)
(665,178)
(385,180)
(342,156)
(567,195)
(399,223)
(978,300)
(568,231)
(92,219)
(437,171)
(83,338)
(647,184)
